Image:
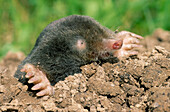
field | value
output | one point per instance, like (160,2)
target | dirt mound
(138,83)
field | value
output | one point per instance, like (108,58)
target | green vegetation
(23,20)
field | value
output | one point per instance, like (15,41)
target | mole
(67,44)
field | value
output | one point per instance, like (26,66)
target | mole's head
(79,36)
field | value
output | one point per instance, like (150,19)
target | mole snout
(112,44)
(67,44)
(118,44)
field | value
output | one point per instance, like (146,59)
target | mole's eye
(81,44)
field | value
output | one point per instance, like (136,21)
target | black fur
(54,51)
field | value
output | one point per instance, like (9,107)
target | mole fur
(55,51)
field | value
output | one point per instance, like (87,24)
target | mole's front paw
(39,79)
(130,41)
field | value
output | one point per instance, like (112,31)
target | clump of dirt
(137,83)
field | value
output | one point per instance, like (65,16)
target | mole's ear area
(112,44)
(81,44)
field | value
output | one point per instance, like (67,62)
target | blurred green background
(23,20)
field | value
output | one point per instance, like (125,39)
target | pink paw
(39,79)
(130,41)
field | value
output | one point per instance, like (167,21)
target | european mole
(65,45)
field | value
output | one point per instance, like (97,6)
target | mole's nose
(118,44)
(112,44)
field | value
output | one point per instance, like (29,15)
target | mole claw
(135,41)
(29,75)
(48,91)
(42,93)
(135,35)
(131,46)
(37,86)
(34,80)
(30,81)
(23,70)
(139,37)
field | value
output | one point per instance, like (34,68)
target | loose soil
(138,83)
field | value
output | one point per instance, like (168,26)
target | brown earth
(138,83)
